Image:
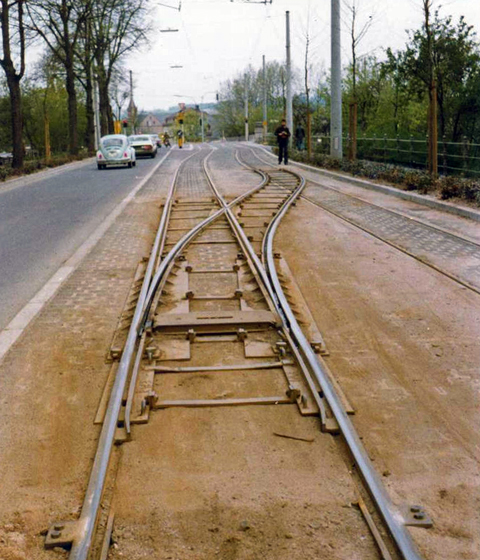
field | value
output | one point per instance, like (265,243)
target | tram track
(423,242)
(212,297)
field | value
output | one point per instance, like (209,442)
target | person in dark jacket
(299,137)
(283,134)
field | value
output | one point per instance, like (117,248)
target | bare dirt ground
(404,344)
(218,483)
(202,484)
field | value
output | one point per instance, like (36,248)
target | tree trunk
(46,130)
(352,132)
(72,111)
(433,132)
(13,77)
(106,113)
(18,149)
(309,133)
(90,114)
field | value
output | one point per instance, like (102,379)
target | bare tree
(357,33)
(84,73)
(13,64)
(119,91)
(118,27)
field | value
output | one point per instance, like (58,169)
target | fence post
(427,151)
(444,156)
(465,153)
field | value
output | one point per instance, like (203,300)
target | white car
(115,149)
(143,144)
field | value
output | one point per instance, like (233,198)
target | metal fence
(454,158)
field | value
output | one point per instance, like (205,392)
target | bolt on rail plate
(416,516)
(61,534)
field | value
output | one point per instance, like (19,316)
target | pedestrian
(283,134)
(299,137)
(180,138)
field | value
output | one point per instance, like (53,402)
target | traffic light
(125,123)
(180,121)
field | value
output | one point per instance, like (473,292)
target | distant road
(43,222)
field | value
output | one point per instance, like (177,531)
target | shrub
(409,179)
(449,187)
(471,191)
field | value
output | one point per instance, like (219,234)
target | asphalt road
(43,220)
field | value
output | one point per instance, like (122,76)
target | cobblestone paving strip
(192,183)
(457,257)
(232,178)
(52,379)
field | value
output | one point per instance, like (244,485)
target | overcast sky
(217,39)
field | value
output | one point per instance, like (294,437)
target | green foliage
(456,66)
(403,177)
(39,102)
(230,120)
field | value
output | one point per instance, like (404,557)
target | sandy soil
(404,344)
(202,484)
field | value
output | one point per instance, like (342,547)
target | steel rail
(183,242)
(418,258)
(403,250)
(85,526)
(390,514)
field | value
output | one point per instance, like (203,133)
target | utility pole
(289,115)
(265,122)
(336,149)
(246,108)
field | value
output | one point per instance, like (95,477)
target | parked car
(115,149)
(143,145)
(156,139)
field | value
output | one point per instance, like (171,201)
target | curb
(392,191)
(12,332)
